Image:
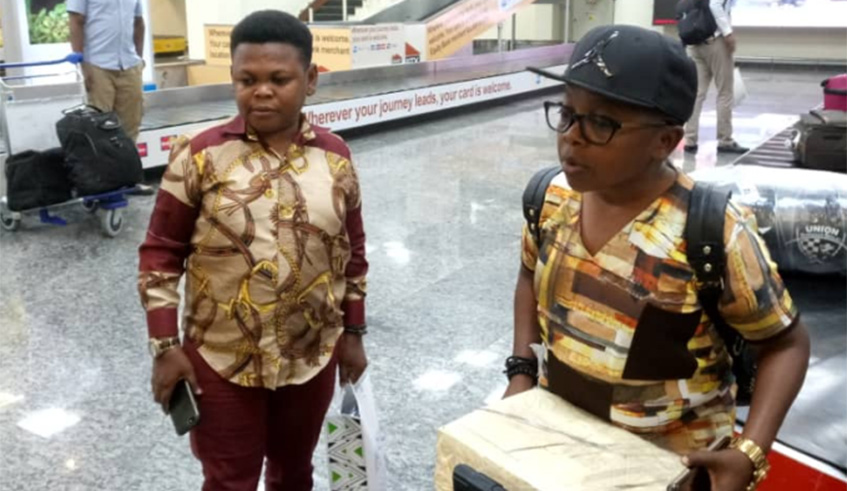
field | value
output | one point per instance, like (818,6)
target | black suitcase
(820,140)
(100,156)
(36,179)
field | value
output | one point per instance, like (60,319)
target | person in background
(262,215)
(715,61)
(110,35)
(607,287)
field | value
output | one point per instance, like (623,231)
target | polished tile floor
(442,213)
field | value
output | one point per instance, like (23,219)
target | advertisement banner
(331,49)
(217,44)
(460,25)
(378,45)
(354,113)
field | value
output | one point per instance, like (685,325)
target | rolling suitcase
(820,140)
(835,93)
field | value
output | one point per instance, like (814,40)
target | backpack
(100,156)
(37,179)
(706,255)
(695,21)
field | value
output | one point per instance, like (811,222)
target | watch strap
(757,456)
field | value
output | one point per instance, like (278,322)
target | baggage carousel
(815,426)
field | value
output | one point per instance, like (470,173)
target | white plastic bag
(739,89)
(356,455)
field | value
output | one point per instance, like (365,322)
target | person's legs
(722,65)
(295,419)
(704,77)
(99,86)
(230,439)
(129,100)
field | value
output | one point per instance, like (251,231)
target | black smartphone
(697,478)
(183,408)
(467,479)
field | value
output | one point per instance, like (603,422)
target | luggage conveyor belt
(815,425)
(774,152)
(175,111)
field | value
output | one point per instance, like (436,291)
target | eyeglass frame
(580,118)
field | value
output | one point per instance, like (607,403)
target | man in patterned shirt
(608,289)
(262,216)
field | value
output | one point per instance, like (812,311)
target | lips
(570,166)
(263,111)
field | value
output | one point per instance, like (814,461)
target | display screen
(770,13)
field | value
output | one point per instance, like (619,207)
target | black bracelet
(357,330)
(518,365)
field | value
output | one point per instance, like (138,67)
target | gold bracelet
(754,452)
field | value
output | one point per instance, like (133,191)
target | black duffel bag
(99,154)
(35,179)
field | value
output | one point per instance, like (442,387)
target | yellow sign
(331,49)
(217,45)
(460,25)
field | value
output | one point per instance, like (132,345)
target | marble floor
(442,213)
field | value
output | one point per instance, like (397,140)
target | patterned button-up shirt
(271,246)
(626,336)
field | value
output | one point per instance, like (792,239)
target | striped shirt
(625,334)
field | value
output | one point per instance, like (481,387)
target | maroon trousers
(240,427)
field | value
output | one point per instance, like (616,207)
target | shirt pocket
(659,349)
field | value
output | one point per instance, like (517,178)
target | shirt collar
(238,127)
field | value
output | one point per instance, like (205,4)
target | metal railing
(308,14)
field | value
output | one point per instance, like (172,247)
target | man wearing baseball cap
(606,285)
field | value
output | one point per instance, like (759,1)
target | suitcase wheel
(112,222)
(9,222)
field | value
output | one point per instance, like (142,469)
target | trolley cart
(28,115)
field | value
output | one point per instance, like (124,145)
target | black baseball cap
(636,66)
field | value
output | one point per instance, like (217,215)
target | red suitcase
(835,92)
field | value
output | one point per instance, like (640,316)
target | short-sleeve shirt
(625,333)
(109,27)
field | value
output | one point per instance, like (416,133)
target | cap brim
(545,73)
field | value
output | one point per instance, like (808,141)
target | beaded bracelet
(357,330)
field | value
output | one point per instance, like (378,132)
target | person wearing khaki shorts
(714,61)
(110,34)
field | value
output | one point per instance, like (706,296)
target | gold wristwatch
(158,346)
(754,452)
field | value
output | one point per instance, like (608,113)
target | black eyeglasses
(598,130)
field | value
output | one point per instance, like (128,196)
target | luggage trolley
(28,115)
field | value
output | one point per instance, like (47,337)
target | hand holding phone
(697,478)
(183,408)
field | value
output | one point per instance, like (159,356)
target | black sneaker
(733,147)
(690,148)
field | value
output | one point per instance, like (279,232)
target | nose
(263,90)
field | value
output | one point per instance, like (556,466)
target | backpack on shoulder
(706,255)
(695,21)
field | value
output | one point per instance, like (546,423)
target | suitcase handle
(829,91)
(79,107)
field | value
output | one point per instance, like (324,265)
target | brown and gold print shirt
(626,336)
(272,249)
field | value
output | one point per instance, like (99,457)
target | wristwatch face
(153,347)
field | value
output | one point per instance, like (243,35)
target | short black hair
(273,26)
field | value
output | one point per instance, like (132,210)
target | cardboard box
(536,440)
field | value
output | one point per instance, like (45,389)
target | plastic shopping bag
(739,89)
(356,457)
